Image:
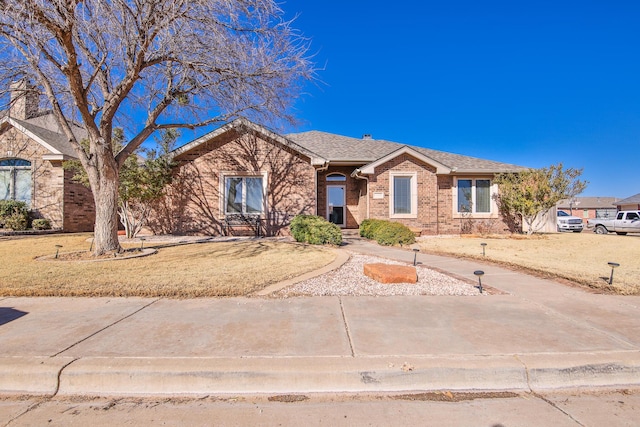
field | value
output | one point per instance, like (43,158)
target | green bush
(315,230)
(41,224)
(387,233)
(16,221)
(369,227)
(14,214)
(10,207)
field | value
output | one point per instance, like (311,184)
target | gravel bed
(349,280)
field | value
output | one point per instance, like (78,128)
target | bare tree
(163,63)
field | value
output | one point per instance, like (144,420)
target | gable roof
(44,130)
(243,125)
(344,149)
(369,168)
(629,200)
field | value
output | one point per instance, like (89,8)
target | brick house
(629,204)
(245,169)
(589,207)
(32,149)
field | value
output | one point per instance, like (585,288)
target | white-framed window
(403,194)
(473,195)
(244,194)
(15,180)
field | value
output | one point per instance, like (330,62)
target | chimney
(24,100)
(367,136)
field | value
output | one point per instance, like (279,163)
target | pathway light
(479,273)
(613,266)
(57,250)
(484,245)
(415,255)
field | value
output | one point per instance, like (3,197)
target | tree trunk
(106,226)
(104,185)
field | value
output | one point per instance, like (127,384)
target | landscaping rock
(390,273)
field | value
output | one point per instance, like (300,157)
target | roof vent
(367,136)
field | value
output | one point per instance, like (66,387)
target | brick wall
(427,186)
(194,204)
(353,189)
(79,207)
(66,205)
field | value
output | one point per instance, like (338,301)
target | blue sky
(529,83)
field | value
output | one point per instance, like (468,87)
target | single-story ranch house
(32,149)
(245,172)
(243,169)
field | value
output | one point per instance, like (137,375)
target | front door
(336,205)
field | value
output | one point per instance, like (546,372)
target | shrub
(315,230)
(9,208)
(41,224)
(369,227)
(14,214)
(387,232)
(16,221)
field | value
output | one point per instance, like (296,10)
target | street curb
(201,376)
(31,375)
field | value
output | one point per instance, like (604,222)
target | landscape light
(479,273)
(142,239)
(613,265)
(57,249)
(483,246)
(415,255)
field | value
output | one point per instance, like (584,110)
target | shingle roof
(588,203)
(338,148)
(56,140)
(629,200)
(46,131)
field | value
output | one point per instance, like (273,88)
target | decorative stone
(391,273)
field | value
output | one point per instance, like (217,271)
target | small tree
(143,183)
(526,197)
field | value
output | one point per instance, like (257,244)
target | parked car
(624,222)
(566,222)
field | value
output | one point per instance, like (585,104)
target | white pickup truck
(624,222)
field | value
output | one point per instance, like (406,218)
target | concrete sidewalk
(535,335)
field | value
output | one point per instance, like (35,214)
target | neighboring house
(589,207)
(245,169)
(629,204)
(32,149)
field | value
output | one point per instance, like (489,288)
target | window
(474,196)
(243,195)
(15,180)
(404,195)
(336,177)
(606,213)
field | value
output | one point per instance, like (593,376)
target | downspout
(356,174)
(322,168)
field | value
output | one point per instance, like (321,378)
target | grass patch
(578,257)
(212,269)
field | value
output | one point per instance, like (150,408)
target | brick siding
(194,204)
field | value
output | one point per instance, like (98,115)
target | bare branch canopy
(148,65)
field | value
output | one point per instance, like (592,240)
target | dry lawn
(579,257)
(196,270)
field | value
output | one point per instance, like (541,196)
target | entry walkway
(535,334)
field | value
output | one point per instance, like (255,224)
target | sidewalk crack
(346,327)
(106,327)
